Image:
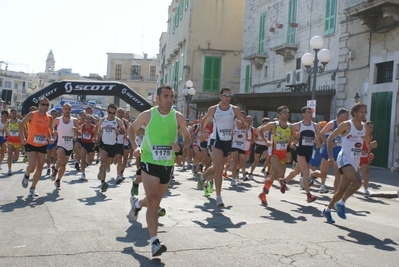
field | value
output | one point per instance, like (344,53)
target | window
(1,83)
(186,5)
(266,70)
(15,86)
(181,66)
(176,75)
(152,72)
(298,63)
(181,10)
(212,72)
(118,72)
(292,6)
(247,77)
(261,42)
(174,23)
(7,84)
(136,70)
(177,17)
(329,23)
(166,79)
(169,32)
(384,72)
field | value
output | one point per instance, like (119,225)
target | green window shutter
(181,66)
(161,81)
(176,75)
(186,4)
(181,10)
(331,12)
(261,46)
(291,31)
(166,78)
(177,17)
(212,72)
(247,73)
(174,23)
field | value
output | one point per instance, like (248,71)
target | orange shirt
(38,129)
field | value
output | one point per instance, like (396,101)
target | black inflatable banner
(57,89)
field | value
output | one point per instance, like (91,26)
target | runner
(366,158)
(110,127)
(40,131)
(10,130)
(260,148)
(281,138)
(225,116)
(162,124)
(67,128)
(3,139)
(87,146)
(352,132)
(308,133)
(342,115)
(121,152)
(51,148)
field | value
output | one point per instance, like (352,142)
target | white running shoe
(134,212)
(83,177)
(233,182)
(367,193)
(219,202)
(32,192)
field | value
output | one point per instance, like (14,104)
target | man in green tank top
(157,153)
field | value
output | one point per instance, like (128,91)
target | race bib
(307,141)
(162,152)
(108,130)
(40,139)
(67,139)
(239,144)
(13,133)
(338,140)
(86,136)
(281,145)
(355,153)
(225,134)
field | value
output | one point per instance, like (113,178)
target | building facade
(140,73)
(202,44)
(362,38)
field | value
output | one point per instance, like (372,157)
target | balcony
(373,13)
(256,59)
(286,50)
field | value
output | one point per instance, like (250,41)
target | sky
(80,32)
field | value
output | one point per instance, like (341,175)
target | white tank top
(259,140)
(1,128)
(238,138)
(352,143)
(109,134)
(65,133)
(120,139)
(223,123)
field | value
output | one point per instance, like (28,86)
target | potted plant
(271,29)
(293,24)
(279,25)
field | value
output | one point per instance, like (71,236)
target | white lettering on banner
(132,97)
(88,87)
(47,94)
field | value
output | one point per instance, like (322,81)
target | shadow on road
(142,260)
(362,238)
(282,216)
(30,201)
(99,197)
(218,222)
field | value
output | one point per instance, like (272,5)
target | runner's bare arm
(181,122)
(208,116)
(142,119)
(21,127)
(344,127)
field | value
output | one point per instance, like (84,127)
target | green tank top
(160,133)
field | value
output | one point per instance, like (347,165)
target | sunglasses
(284,112)
(227,95)
(44,105)
(112,113)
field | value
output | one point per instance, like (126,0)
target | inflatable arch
(57,89)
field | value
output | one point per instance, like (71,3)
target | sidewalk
(383,182)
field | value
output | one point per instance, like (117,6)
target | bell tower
(50,62)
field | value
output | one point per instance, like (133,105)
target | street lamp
(188,93)
(357,98)
(320,54)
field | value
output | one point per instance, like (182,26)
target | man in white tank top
(352,132)
(110,126)
(225,117)
(67,128)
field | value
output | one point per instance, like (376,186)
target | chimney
(145,56)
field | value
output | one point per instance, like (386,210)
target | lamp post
(188,93)
(357,98)
(320,54)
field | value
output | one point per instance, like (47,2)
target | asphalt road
(79,226)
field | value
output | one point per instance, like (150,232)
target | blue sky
(80,32)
